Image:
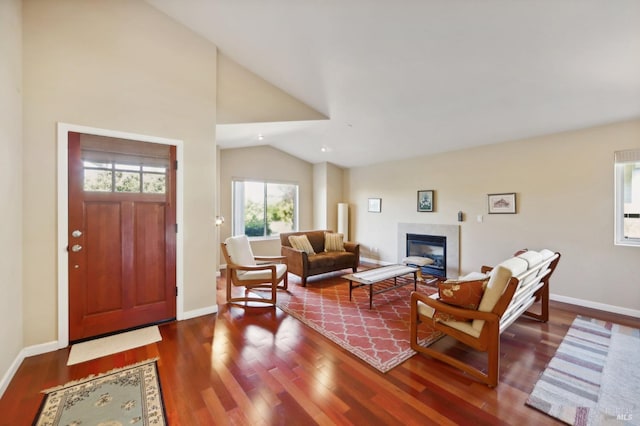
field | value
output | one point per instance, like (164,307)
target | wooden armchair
(484,337)
(505,298)
(244,270)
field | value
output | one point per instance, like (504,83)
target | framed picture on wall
(375,205)
(502,203)
(425,200)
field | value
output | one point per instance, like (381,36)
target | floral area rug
(129,395)
(379,336)
(594,377)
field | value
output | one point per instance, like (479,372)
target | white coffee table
(377,275)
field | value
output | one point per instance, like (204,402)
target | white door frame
(63,217)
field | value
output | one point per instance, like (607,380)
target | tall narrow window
(627,197)
(262,209)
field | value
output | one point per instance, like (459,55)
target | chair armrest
(468,314)
(352,247)
(252,268)
(270,259)
(296,259)
(355,249)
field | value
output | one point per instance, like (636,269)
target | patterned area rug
(594,377)
(379,336)
(129,395)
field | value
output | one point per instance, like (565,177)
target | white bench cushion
(533,258)
(546,254)
(240,251)
(516,265)
(473,276)
(264,274)
(497,283)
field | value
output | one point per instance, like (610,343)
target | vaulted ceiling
(398,79)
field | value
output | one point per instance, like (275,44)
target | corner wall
(244,97)
(11,167)
(327,193)
(125,66)
(565,199)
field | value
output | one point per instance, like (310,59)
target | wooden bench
(514,286)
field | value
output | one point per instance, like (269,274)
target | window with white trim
(263,209)
(627,197)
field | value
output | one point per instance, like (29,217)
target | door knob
(76,233)
(76,248)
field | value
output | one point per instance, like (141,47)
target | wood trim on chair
(234,280)
(496,321)
(488,340)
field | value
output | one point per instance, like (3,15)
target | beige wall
(320,196)
(335,179)
(265,163)
(10,182)
(564,186)
(119,65)
(244,97)
(327,193)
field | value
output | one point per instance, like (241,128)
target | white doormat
(97,348)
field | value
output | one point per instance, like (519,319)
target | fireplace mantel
(452,232)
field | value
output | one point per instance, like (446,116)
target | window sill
(627,243)
(269,238)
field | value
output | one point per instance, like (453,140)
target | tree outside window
(263,209)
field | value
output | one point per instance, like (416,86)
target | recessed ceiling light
(324,148)
(260,136)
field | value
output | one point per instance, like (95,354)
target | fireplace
(432,246)
(450,232)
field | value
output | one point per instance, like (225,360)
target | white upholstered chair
(249,271)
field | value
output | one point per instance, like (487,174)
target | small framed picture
(375,205)
(425,200)
(502,203)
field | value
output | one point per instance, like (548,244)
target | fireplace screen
(432,246)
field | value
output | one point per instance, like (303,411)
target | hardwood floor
(259,366)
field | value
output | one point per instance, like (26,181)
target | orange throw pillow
(463,294)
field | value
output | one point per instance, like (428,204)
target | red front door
(122,235)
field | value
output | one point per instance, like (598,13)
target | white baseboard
(53,346)
(199,312)
(6,379)
(24,353)
(375,261)
(595,305)
(41,348)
